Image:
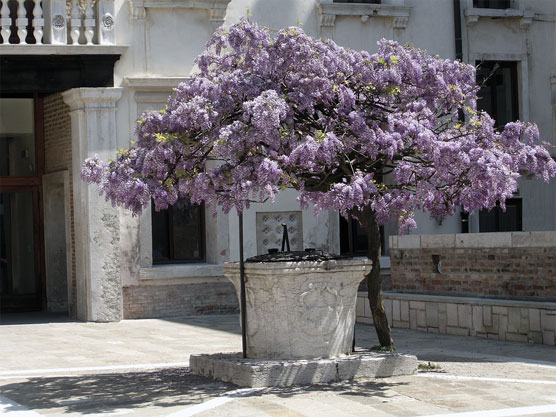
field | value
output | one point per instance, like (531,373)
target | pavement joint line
(486,379)
(504,412)
(9,408)
(215,402)
(142,366)
(494,358)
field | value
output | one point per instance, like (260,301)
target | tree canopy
(395,131)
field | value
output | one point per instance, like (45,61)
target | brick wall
(517,265)
(58,157)
(148,301)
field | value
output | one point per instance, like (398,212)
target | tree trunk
(374,281)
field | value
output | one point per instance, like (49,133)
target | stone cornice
(329,11)
(92,98)
(526,17)
(154,83)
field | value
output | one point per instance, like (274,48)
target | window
(358,236)
(491,4)
(498,94)
(178,233)
(496,220)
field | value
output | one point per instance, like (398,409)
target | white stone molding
(525,17)
(328,11)
(55,22)
(400,22)
(137,9)
(106,22)
(166,84)
(97,223)
(216,8)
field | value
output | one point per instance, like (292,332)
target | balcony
(57,27)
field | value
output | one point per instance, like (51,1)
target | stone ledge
(181,271)
(464,300)
(230,367)
(475,240)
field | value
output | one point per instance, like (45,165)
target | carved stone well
(300,310)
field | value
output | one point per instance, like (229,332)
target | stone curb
(256,373)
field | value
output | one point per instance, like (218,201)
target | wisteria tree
(376,136)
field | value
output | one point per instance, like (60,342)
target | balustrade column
(75,23)
(5,22)
(38,22)
(89,22)
(21,22)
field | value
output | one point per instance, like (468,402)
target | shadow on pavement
(107,392)
(37,317)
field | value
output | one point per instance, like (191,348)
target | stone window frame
(150,93)
(517,11)
(522,63)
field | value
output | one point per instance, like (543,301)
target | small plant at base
(428,367)
(379,348)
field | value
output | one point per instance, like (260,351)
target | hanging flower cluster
(396,131)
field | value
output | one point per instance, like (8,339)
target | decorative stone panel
(270,230)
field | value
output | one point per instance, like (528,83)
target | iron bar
(285,238)
(243,303)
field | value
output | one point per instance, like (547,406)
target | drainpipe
(457,30)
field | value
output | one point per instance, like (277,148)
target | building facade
(75,76)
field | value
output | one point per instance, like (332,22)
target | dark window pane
(359,240)
(498,94)
(177,233)
(161,240)
(492,4)
(17,256)
(187,231)
(496,220)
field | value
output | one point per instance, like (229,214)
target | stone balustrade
(57,22)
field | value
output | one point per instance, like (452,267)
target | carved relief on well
(320,313)
(269,230)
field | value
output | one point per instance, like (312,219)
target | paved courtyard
(58,367)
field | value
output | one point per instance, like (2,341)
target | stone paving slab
(139,368)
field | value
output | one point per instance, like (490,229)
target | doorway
(21,169)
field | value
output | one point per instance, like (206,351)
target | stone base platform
(231,367)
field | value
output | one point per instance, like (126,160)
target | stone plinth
(300,310)
(230,367)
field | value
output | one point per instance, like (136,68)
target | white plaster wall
(276,14)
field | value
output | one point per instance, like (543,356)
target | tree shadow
(105,393)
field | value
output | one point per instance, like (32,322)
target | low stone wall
(158,300)
(513,265)
(519,321)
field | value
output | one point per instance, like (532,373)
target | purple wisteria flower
(347,129)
